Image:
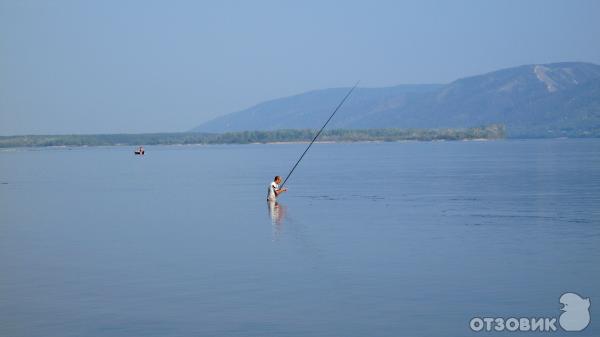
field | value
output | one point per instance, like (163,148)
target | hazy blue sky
(146,66)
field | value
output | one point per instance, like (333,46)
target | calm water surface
(373,239)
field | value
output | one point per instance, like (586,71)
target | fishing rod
(319,133)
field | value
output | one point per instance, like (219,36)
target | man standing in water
(274,189)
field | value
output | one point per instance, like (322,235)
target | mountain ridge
(535,100)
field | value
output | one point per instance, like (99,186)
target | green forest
(495,131)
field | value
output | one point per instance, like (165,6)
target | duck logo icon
(576,315)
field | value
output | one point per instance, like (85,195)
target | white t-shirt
(271,193)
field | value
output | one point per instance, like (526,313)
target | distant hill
(550,100)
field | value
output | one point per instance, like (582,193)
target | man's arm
(279,191)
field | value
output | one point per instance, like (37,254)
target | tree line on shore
(495,131)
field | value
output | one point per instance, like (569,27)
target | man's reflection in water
(277,213)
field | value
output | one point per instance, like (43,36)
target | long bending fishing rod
(319,133)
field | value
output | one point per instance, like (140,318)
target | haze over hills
(549,100)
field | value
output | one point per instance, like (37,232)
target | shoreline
(287,136)
(78,147)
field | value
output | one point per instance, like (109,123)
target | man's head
(277,180)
